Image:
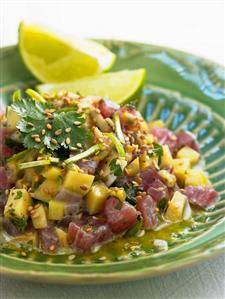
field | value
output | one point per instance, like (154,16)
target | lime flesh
(118,86)
(53,58)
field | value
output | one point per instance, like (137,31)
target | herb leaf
(132,190)
(115,168)
(156,151)
(20,223)
(34,122)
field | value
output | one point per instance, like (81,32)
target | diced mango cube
(167,177)
(167,159)
(39,216)
(188,153)
(196,177)
(52,173)
(176,205)
(133,168)
(56,210)
(47,190)
(78,182)
(118,193)
(180,168)
(96,198)
(17,204)
(146,161)
(156,123)
(62,235)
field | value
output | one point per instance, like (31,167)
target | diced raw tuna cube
(201,196)
(120,216)
(49,240)
(165,136)
(186,139)
(147,206)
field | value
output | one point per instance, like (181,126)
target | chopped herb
(135,229)
(157,150)
(85,154)
(162,205)
(132,190)
(19,194)
(20,223)
(117,143)
(115,167)
(36,113)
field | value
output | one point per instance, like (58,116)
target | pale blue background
(203,281)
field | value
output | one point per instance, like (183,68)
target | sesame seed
(84,187)
(58,132)
(35,136)
(37,139)
(51,110)
(52,247)
(54,141)
(71,257)
(6,192)
(79,145)
(67,140)
(39,158)
(30,208)
(23,253)
(67,130)
(77,123)
(102,258)
(30,124)
(49,126)
(43,132)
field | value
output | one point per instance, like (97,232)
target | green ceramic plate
(186,92)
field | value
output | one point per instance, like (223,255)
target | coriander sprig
(41,125)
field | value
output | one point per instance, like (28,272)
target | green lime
(54,58)
(118,86)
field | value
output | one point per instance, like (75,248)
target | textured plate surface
(186,92)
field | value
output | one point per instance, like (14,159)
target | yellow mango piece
(17,204)
(167,159)
(196,177)
(62,237)
(146,161)
(39,216)
(78,182)
(96,198)
(52,173)
(156,123)
(47,190)
(133,168)
(180,168)
(167,177)
(118,193)
(176,205)
(188,153)
(56,210)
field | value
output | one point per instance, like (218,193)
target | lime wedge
(54,58)
(118,86)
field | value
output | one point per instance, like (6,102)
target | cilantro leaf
(157,150)
(132,190)
(20,223)
(39,130)
(115,168)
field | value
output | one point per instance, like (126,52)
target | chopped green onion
(35,95)
(117,143)
(118,129)
(18,156)
(85,154)
(16,96)
(38,163)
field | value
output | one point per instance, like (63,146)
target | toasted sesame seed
(52,247)
(54,141)
(79,145)
(30,208)
(37,139)
(39,158)
(49,115)
(58,132)
(71,257)
(23,253)
(43,132)
(49,126)
(68,141)
(102,258)
(6,192)
(35,136)
(77,123)
(84,187)
(67,130)
(30,124)
(51,110)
